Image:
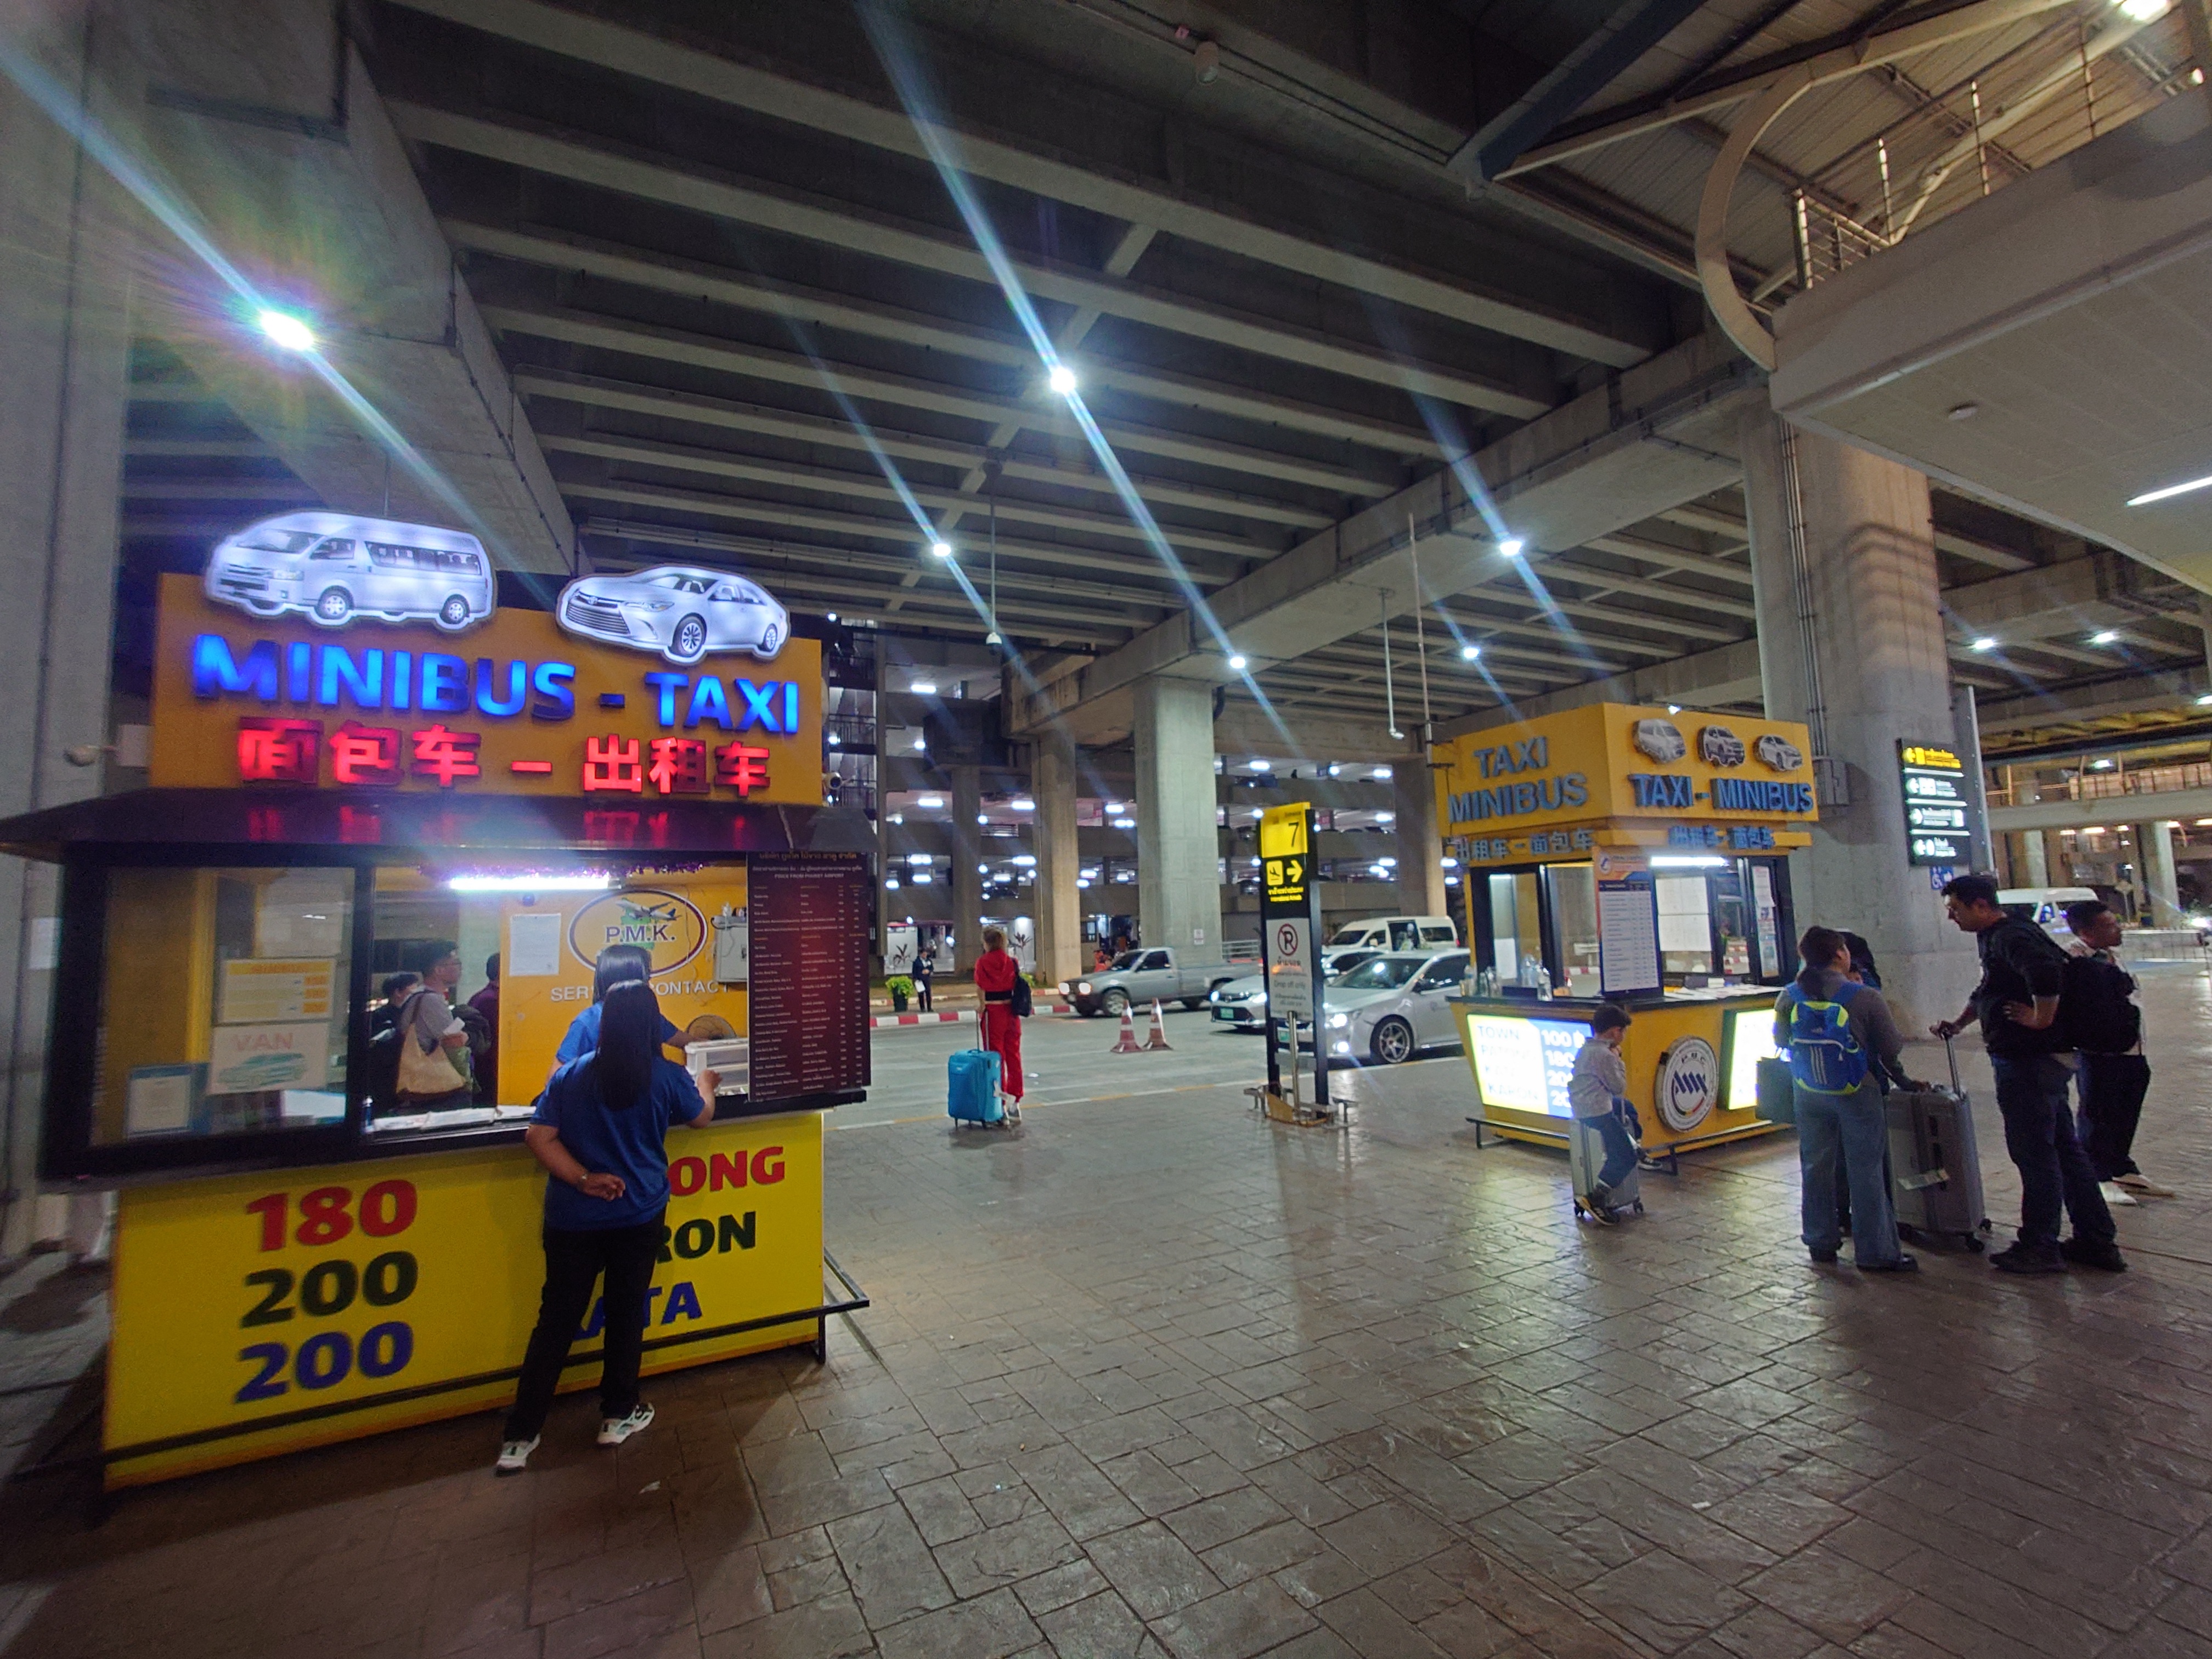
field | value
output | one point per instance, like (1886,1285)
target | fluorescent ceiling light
(1025,861)
(1984,643)
(921,878)
(943,550)
(2143,11)
(1022,804)
(2104,636)
(1381,774)
(1512,547)
(1113,806)
(1686,861)
(573,882)
(890,884)
(924,687)
(1261,765)
(919,860)
(285,330)
(2171,490)
(1125,823)
(930,803)
(1469,653)
(1061,380)
(1238,662)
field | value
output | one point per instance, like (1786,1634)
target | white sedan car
(1395,1007)
(677,610)
(1242,1003)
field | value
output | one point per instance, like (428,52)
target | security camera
(1205,61)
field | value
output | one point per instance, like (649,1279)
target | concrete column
(2154,863)
(1421,890)
(1057,904)
(1851,641)
(66,257)
(967,880)
(1178,848)
(2032,866)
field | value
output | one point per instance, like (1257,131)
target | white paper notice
(258,992)
(533,945)
(248,1059)
(159,1101)
(302,915)
(1628,938)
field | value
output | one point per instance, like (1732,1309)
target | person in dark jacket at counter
(617,964)
(2017,1006)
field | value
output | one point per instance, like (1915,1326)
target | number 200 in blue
(326,1359)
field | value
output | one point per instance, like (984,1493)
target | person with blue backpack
(1837,1034)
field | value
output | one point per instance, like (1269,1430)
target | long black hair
(617,965)
(630,1041)
(1818,947)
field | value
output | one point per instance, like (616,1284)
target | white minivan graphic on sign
(678,611)
(332,567)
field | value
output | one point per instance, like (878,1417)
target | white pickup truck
(1140,978)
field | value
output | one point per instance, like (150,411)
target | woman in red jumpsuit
(996,971)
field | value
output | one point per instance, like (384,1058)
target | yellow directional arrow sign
(1285,852)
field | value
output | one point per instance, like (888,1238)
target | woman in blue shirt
(617,964)
(600,1130)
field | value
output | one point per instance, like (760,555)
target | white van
(330,566)
(1397,933)
(2046,906)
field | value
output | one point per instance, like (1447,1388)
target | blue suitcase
(971,1078)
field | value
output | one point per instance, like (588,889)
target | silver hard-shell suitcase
(1585,1158)
(1935,1172)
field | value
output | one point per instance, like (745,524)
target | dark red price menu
(808,995)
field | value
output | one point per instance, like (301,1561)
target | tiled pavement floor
(1153,1376)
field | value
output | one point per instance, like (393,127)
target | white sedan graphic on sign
(677,610)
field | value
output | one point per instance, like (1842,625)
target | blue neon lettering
(338,676)
(499,708)
(403,683)
(667,685)
(215,671)
(297,666)
(708,703)
(554,699)
(790,705)
(445,685)
(760,709)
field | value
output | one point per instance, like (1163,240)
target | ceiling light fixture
(2171,490)
(1238,662)
(1062,379)
(930,803)
(1512,547)
(286,331)
(923,688)
(2104,636)
(584,882)
(1469,653)
(943,550)
(1984,643)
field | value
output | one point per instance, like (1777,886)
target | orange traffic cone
(1158,1039)
(1127,1043)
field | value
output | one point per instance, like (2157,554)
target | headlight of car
(1084,989)
(659,604)
(1063,987)
(1338,1022)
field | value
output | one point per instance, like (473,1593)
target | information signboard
(810,987)
(1289,967)
(1937,830)
(1290,922)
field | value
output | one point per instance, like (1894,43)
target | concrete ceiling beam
(1044,171)
(595,392)
(691,280)
(1615,456)
(1672,558)
(1510,389)
(873,486)
(714,504)
(630,338)
(1708,679)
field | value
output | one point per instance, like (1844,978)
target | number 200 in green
(328,1358)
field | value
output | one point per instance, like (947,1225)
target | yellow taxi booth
(1631,855)
(303,1256)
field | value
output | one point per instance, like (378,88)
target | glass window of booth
(226,1003)
(1574,916)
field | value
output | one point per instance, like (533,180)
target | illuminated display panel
(1523,1065)
(1749,1038)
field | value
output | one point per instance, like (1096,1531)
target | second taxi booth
(1637,856)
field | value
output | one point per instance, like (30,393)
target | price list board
(1936,803)
(808,1005)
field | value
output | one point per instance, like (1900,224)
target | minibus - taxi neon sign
(325,567)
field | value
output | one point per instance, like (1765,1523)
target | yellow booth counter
(1631,855)
(305,1253)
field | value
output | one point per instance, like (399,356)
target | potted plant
(901,988)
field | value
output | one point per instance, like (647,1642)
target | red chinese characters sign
(511,707)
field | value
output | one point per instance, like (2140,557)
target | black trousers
(574,1262)
(2112,1087)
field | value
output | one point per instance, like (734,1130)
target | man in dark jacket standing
(2017,1005)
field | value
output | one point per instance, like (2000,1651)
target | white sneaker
(2116,1195)
(2141,1185)
(514,1455)
(614,1430)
